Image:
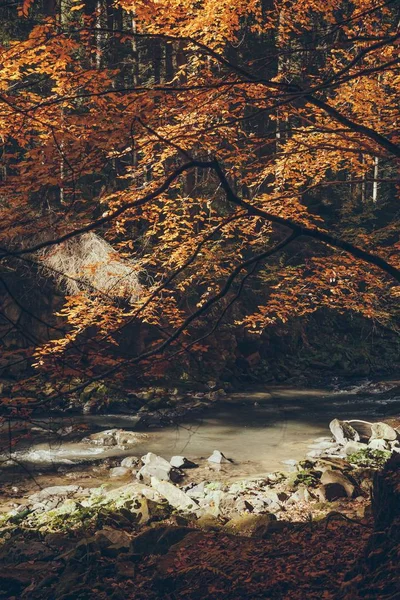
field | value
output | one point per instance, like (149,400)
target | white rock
(343,432)
(175,497)
(378,444)
(181,462)
(218,458)
(158,467)
(130,462)
(198,491)
(383,431)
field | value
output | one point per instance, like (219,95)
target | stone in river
(180,462)
(218,458)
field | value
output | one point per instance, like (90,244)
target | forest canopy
(160,158)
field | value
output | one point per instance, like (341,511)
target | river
(258,429)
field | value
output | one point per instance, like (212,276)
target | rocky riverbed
(150,504)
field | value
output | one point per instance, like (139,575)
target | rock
(331,477)
(94,391)
(115,536)
(158,467)
(209,523)
(363,428)
(331,491)
(343,432)
(212,502)
(180,462)
(259,505)
(378,444)
(127,438)
(102,438)
(175,497)
(353,447)
(198,491)
(52,497)
(328,462)
(383,431)
(301,495)
(248,525)
(227,504)
(242,505)
(114,437)
(121,472)
(130,462)
(218,458)
(158,540)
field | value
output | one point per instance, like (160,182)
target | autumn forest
(199,225)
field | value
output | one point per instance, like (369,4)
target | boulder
(343,432)
(158,467)
(248,525)
(175,497)
(130,462)
(363,428)
(114,437)
(336,477)
(331,491)
(378,444)
(383,431)
(218,458)
(180,462)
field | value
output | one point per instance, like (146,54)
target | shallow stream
(259,430)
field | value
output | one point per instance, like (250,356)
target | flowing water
(259,430)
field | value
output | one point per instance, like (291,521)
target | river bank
(143,525)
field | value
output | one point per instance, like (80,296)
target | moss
(307,478)
(369,458)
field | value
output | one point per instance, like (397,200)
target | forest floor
(306,561)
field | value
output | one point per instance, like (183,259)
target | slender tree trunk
(375,185)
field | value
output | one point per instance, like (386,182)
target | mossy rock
(257,526)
